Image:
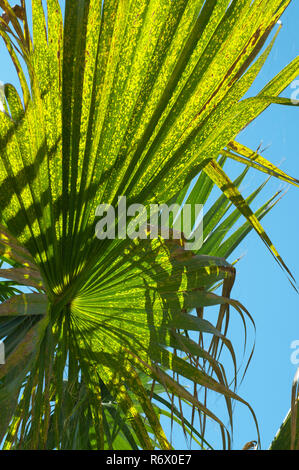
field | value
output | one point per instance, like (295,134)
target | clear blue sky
(261,286)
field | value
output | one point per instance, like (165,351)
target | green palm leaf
(123,98)
(287,437)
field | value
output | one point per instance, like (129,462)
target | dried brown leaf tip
(5,18)
(251,445)
(19,12)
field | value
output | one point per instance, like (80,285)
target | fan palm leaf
(121,98)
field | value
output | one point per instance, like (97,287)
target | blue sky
(261,286)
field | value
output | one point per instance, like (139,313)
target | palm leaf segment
(126,98)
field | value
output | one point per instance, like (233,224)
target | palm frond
(135,99)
